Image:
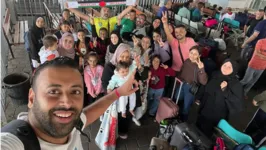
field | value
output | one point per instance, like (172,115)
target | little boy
(49,50)
(64,27)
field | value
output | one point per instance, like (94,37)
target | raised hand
(199,63)
(164,17)
(135,41)
(223,85)
(94,41)
(161,43)
(126,89)
(164,66)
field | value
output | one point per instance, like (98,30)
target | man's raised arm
(95,110)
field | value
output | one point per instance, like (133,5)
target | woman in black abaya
(223,96)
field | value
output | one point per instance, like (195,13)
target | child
(100,43)
(83,43)
(121,74)
(92,77)
(64,27)
(49,50)
(66,17)
(157,82)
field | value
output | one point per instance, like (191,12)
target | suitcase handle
(173,92)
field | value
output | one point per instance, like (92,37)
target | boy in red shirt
(256,66)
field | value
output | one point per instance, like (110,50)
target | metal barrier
(29,9)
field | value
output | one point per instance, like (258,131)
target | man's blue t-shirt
(261,28)
(196,16)
(161,10)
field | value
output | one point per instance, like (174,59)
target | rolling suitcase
(186,134)
(160,144)
(167,107)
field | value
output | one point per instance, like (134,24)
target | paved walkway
(139,137)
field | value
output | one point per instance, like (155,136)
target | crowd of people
(125,48)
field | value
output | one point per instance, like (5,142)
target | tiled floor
(139,137)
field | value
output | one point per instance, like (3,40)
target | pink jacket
(92,78)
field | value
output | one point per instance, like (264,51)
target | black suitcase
(185,134)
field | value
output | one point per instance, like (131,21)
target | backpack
(27,40)
(244,147)
(22,130)
(219,144)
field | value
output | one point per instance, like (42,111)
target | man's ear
(31,98)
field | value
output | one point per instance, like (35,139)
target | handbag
(194,86)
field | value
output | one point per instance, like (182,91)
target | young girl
(92,77)
(83,43)
(157,82)
(121,74)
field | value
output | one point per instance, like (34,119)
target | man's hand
(164,18)
(126,89)
(255,103)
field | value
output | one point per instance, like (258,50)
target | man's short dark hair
(81,30)
(49,40)
(65,23)
(122,65)
(65,10)
(133,11)
(61,61)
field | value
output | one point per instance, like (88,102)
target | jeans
(250,78)
(257,127)
(188,99)
(154,96)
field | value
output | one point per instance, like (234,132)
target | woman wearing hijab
(36,33)
(223,96)
(66,46)
(122,54)
(115,41)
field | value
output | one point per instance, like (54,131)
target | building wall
(4,59)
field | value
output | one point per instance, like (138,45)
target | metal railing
(29,9)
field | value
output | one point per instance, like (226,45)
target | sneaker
(124,136)
(136,121)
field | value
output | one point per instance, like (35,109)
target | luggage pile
(174,134)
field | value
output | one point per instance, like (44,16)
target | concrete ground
(139,137)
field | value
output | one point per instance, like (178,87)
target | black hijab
(233,93)
(113,47)
(38,32)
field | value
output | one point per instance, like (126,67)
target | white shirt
(11,142)
(45,54)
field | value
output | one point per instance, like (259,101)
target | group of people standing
(124,43)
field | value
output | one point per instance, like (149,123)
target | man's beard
(47,123)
